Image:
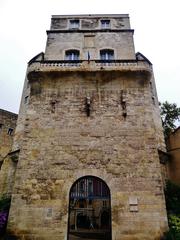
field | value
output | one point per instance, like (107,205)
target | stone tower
(88,136)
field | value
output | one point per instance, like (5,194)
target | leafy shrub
(174,222)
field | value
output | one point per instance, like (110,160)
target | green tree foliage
(172,194)
(170,115)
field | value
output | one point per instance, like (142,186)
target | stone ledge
(37,69)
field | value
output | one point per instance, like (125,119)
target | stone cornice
(88,30)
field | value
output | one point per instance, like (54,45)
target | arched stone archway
(89,209)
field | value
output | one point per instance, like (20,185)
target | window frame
(72,55)
(105,24)
(74,24)
(108,53)
(10,131)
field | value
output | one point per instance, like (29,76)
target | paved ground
(72,237)
(92,234)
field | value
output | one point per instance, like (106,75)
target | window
(107,54)
(10,131)
(105,24)
(26,99)
(1,126)
(72,55)
(74,24)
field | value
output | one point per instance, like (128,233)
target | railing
(60,63)
(67,63)
(92,65)
(114,63)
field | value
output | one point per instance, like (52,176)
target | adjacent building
(7,129)
(173,149)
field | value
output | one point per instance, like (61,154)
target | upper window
(107,54)
(10,131)
(105,24)
(26,99)
(74,24)
(1,125)
(72,55)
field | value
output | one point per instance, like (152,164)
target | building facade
(173,149)
(87,137)
(7,129)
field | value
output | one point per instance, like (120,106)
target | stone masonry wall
(7,129)
(90,22)
(90,37)
(60,143)
(121,42)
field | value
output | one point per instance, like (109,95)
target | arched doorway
(89,209)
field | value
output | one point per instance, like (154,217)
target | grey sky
(23,35)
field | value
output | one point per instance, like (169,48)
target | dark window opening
(107,54)
(26,99)
(72,55)
(105,24)
(74,24)
(10,131)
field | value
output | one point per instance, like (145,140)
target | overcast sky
(23,25)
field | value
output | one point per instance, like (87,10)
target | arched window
(72,55)
(106,54)
(89,209)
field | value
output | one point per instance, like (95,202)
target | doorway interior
(89,209)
